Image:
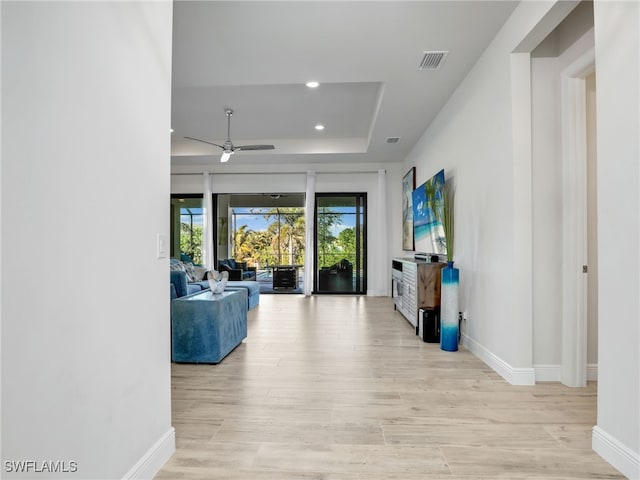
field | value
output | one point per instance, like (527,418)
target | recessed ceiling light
(312,84)
(171,130)
(319,127)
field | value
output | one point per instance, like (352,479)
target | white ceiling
(255,58)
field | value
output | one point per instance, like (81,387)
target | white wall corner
(617,454)
(153,460)
(513,375)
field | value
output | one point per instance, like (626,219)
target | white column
(309,247)
(207,223)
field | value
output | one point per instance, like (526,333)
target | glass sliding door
(340,243)
(267,231)
(187,222)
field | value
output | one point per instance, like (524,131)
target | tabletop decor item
(217,281)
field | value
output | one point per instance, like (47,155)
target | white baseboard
(617,454)
(152,461)
(547,373)
(515,376)
(552,373)
(378,293)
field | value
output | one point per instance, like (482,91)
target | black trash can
(429,325)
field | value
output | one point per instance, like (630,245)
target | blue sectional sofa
(180,287)
(205,327)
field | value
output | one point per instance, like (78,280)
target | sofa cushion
(203,285)
(248,275)
(181,287)
(253,290)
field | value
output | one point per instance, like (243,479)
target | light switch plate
(163,246)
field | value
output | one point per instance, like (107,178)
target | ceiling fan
(228,148)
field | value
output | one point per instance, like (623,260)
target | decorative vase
(449,325)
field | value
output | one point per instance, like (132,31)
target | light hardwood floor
(339,387)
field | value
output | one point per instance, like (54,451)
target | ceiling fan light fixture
(228,147)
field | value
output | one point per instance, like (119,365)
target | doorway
(340,243)
(579,269)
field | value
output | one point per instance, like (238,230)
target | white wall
(473,140)
(329,178)
(617,39)
(85,184)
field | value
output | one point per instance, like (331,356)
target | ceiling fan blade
(254,147)
(204,141)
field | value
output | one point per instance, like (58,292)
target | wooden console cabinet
(416,287)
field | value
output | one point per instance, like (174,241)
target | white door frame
(574,220)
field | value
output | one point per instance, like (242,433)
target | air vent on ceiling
(433,60)
(393,139)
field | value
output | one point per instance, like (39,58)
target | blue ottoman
(206,327)
(253,290)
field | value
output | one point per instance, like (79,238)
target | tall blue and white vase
(449,325)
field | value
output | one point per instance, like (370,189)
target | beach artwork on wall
(427,216)
(408,186)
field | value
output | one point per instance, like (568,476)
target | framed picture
(408,186)
(428,212)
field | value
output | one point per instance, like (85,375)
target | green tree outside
(191,241)
(283,240)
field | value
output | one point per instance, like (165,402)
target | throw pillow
(191,272)
(200,273)
(176,265)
